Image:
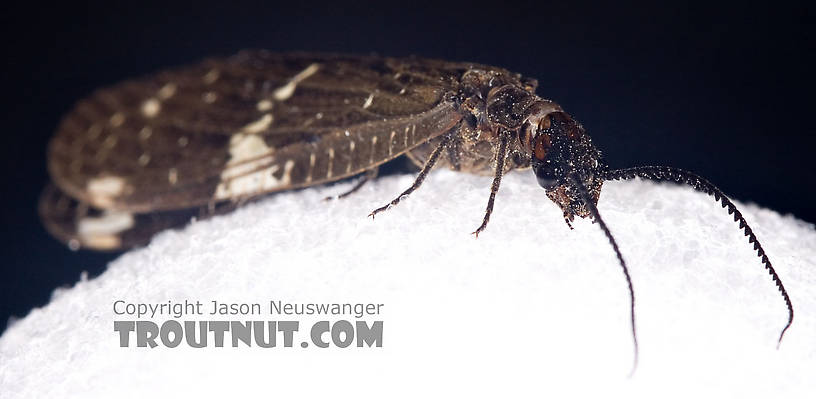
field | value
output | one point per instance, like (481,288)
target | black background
(723,90)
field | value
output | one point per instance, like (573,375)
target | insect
(148,154)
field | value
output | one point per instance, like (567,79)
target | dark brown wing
(257,122)
(149,154)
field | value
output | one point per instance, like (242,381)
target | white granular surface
(529,308)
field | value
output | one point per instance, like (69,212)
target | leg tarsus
(494,188)
(422,173)
(369,175)
(568,219)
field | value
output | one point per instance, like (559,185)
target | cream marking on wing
(331,163)
(209,97)
(145,133)
(167,91)
(413,134)
(183,141)
(110,222)
(172,176)
(103,231)
(402,91)
(151,108)
(101,242)
(391,143)
(312,159)
(373,149)
(110,142)
(103,190)
(406,136)
(368,101)
(287,172)
(258,126)
(117,119)
(351,157)
(284,92)
(94,131)
(250,169)
(234,184)
(264,105)
(211,76)
(144,159)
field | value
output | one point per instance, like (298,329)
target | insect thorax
(491,104)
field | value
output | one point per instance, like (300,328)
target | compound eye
(541,146)
(545,176)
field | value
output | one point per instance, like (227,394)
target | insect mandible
(149,154)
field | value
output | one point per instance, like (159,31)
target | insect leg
(422,173)
(501,154)
(369,175)
(454,149)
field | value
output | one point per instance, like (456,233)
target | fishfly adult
(148,154)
